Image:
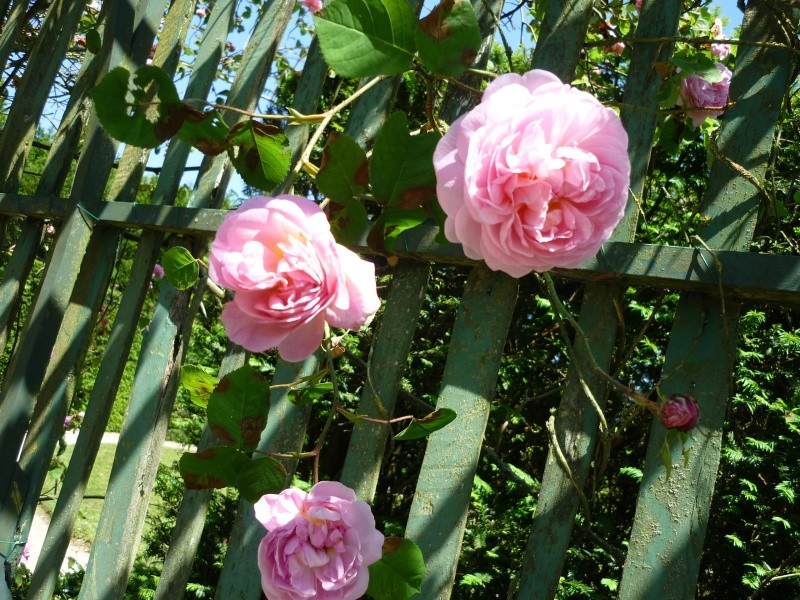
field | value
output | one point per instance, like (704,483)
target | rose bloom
(616,48)
(639,5)
(721,51)
(319,544)
(535,177)
(290,277)
(681,412)
(702,99)
(313,5)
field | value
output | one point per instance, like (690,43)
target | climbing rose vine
(535,177)
(290,277)
(318,544)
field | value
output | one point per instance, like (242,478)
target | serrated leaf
(348,221)
(420,428)
(237,410)
(399,573)
(393,221)
(261,476)
(448,39)
(212,468)
(198,383)
(141,109)
(344,172)
(260,153)
(401,168)
(364,38)
(180,267)
(205,131)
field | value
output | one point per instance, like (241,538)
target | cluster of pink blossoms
(318,544)
(535,177)
(290,277)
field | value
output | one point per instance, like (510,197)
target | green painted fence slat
(672,514)
(191,516)
(577,422)
(284,432)
(391,346)
(439,508)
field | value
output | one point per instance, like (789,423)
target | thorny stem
(581,335)
(305,157)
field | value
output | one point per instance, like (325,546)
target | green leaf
(261,476)
(180,267)
(198,383)
(399,573)
(693,62)
(93,41)
(205,131)
(348,221)
(310,393)
(237,410)
(392,222)
(401,168)
(212,468)
(140,109)
(260,153)
(420,428)
(448,39)
(344,172)
(364,38)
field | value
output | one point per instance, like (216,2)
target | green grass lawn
(89,512)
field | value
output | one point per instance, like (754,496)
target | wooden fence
(665,546)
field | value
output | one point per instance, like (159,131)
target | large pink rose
(535,177)
(319,544)
(702,99)
(290,277)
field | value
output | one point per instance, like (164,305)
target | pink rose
(639,5)
(50,229)
(200,12)
(319,544)
(290,277)
(702,99)
(158,270)
(313,5)
(681,412)
(616,48)
(535,177)
(721,51)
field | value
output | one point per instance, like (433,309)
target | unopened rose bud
(68,422)
(50,229)
(158,270)
(681,412)
(200,12)
(617,48)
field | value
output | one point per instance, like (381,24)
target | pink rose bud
(200,12)
(639,5)
(702,99)
(616,48)
(681,412)
(721,51)
(290,277)
(319,544)
(313,6)
(25,556)
(534,177)
(50,229)
(158,270)
(68,422)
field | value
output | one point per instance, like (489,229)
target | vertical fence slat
(284,432)
(576,421)
(385,371)
(439,508)
(191,518)
(672,514)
